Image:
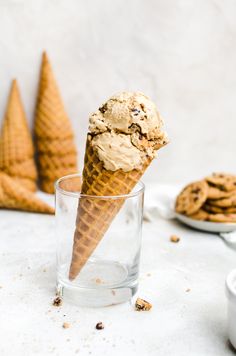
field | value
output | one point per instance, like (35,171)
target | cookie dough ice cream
(124,135)
(126,130)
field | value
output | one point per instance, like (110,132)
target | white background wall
(180,52)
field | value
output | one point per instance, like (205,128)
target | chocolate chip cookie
(216,193)
(224,218)
(224,203)
(191,198)
(223,181)
(218,210)
(200,215)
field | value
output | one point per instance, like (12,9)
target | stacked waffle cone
(105,172)
(56,152)
(16,147)
(18,172)
(54,143)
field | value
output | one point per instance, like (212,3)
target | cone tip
(14,84)
(45,56)
(14,93)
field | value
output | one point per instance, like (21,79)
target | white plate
(206,225)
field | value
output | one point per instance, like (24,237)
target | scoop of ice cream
(125,130)
(116,151)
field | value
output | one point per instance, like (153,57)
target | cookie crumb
(142,305)
(57,302)
(113,292)
(187,290)
(98,280)
(65,325)
(146,219)
(99,326)
(148,274)
(174,238)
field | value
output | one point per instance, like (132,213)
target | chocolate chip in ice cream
(103,108)
(135,112)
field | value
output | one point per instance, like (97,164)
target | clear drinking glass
(110,275)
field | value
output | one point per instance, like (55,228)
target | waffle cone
(68,185)
(16,147)
(14,196)
(55,147)
(56,162)
(25,169)
(28,184)
(47,186)
(51,119)
(94,216)
(53,131)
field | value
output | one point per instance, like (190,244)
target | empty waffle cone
(51,119)
(54,174)
(52,163)
(47,186)
(57,147)
(16,147)
(14,196)
(95,215)
(28,184)
(54,135)
(22,169)
(70,185)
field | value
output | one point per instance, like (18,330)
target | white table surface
(180,323)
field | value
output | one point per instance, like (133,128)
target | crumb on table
(174,238)
(99,326)
(187,290)
(142,305)
(65,325)
(57,302)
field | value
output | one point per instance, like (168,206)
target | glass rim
(80,195)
